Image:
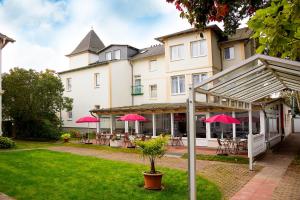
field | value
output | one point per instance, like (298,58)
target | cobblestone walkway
(229,177)
(266,184)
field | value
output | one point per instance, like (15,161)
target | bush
(6,143)
(66,136)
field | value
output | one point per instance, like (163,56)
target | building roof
(240,34)
(190,30)
(90,43)
(91,65)
(117,45)
(150,51)
(163,108)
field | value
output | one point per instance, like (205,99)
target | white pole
(172,124)
(192,144)
(126,127)
(250,140)
(153,124)
(111,124)
(233,127)
(136,127)
(208,131)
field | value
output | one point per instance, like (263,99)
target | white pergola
(240,87)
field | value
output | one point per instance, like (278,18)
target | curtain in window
(174,85)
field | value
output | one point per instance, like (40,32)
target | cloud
(46,30)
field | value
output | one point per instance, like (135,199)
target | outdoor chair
(222,148)
(176,141)
(127,142)
(98,138)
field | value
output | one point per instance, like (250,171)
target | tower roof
(90,43)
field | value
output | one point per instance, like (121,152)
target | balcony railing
(137,90)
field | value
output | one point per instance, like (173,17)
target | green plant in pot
(66,137)
(153,149)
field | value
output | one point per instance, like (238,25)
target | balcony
(137,90)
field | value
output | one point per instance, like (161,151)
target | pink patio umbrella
(222,118)
(88,119)
(133,118)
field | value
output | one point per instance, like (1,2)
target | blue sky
(46,30)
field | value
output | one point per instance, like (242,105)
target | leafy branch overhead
(201,12)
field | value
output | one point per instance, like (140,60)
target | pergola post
(208,130)
(111,124)
(153,125)
(192,144)
(126,126)
(233,127)
(250,140)
(172,124)
(136,123)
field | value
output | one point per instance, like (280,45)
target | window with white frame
(153,91)
(198,78)
(153,65)
(70,115)
(178,84)
(108,55)
(117,54)
(198,48)
(177,52)
(229,53)
(69,84)
(97,80)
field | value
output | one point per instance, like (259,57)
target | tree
(201,12)
(277,29)
(275,23)
(32,100)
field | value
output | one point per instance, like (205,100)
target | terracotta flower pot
(153,181)
(66,140)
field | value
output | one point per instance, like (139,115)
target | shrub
(6,143)
(66,136)
(74,133)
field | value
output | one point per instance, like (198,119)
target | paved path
(229,177)
(5,197)
(264,183)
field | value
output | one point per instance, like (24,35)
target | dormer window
(117,54)
(108,55)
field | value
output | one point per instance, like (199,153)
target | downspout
(221,58)
(132,96)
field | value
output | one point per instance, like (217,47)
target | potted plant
(66,137)
(153,149)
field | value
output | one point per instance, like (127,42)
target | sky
(47,30)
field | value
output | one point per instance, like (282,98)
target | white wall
(159,77)
(296,125)
(239,54)
(79,60)
(120,73)
(85,95)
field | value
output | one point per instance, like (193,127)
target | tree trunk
(152,171)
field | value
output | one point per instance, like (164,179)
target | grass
(221,158)
(296,160)
(27,144)
(44,174)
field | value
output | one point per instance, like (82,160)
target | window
(153,91)
(198,48)
(69,84)
(153,66)
(70,115)
(177,52)
(198,78)
(178,84)
(108,55)
(97,80)
(137,88)
(229,53)
(118,54)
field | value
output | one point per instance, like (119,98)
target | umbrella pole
(88,132)
(222,137)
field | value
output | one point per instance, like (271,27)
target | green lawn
(43,174)
(221,158)
(27,144)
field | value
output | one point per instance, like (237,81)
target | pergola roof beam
(266,93)
(281,69)
(253,86)
(290,80)
(262,89)
(245,83)
(292,84)
(289,76)
(238,77)
(257,88)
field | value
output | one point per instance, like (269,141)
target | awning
(255,78)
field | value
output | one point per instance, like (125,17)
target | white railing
(259,144)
